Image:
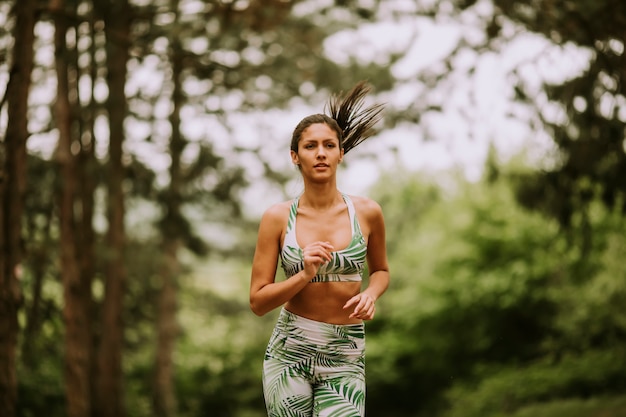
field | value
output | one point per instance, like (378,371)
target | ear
(294,158)
(341,155)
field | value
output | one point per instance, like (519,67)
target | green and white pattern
(346,264)
(314,369)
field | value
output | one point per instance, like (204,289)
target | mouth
(321,166)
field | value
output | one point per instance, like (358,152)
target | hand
(365,307)
(314,255)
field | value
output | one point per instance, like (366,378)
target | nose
(321,151)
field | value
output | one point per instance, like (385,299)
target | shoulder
(273,225)
(371,218)
(367,208)
(276,214)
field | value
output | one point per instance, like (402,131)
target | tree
(77,286)
(582,112)
(164,399)
(590,133)
(12,188)
(261,55)
(469,290)
(232,31)
(116,17)
(490,309)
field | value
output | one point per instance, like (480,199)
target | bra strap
(354,224)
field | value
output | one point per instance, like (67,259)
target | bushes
(510,389)
(595,407)
(492,307)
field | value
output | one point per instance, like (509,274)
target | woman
(314,363)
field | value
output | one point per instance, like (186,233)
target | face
(318,151)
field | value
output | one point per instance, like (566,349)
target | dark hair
(351,123)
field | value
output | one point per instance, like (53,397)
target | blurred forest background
(141,140)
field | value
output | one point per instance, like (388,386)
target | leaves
(482,288)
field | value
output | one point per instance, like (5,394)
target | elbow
(256,308)
(257,311)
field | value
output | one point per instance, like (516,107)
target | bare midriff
(324,301)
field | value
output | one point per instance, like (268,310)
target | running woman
(314,363)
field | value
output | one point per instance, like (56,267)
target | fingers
(316,254)
(365,307)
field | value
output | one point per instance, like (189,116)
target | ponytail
(357,124)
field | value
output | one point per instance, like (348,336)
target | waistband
(318,332)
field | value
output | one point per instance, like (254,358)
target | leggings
(314,369)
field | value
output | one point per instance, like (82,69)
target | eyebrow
(321,140)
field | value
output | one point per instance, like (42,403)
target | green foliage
(40,390)
(469,270)
(594,407)
(228,57)
(492,308)
(581,109)
(594,301)
(220,352)
(590,134)
(579,21)
(572,376)
(492,301)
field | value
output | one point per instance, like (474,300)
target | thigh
(287,394)
(287,379)
(340,390)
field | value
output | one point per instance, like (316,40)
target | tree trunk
(167,329)
(109,389)
(33,314)
(77,323)
(87,167)
(12,187)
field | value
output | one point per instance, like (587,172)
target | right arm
(265,293)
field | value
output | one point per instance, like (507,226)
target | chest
(333,226)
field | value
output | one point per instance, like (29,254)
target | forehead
(319,131)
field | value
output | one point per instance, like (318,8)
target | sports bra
(346,265)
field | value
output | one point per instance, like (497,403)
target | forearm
(273,295)
(377,284)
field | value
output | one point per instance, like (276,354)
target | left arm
(364,303)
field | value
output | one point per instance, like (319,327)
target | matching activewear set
(313,368)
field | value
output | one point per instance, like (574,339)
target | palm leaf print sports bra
(346,265)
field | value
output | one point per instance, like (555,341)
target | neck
(320,196)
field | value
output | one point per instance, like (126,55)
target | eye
(309,146)
(330,145)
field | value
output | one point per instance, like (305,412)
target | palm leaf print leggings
(314,369)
